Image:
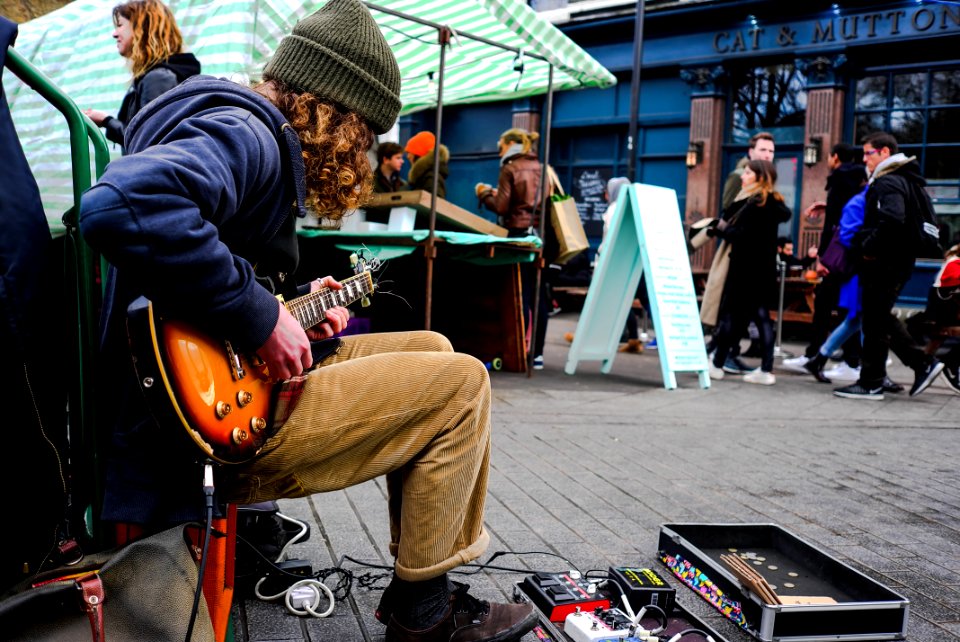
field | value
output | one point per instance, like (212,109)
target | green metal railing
(83,296)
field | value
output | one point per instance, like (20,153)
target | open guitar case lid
(864,609)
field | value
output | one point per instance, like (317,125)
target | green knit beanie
(338,54)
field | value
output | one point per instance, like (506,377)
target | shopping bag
(142,591)
(566,223)
(699,233)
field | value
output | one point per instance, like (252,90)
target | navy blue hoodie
(208,189)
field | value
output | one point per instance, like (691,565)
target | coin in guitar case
(732,550)
(788,585)
(792,574)
(773,587)
(762,559)
(772,567)
(758,562)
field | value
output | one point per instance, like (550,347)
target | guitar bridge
(236,368)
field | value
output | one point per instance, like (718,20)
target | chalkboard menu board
(587,190)
(645,237)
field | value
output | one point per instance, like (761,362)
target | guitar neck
(311,309)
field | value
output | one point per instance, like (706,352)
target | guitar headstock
(361,264)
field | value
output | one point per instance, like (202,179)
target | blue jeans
(849,327)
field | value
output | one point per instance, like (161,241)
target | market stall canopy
(74,48)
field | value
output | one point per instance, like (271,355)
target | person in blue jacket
(851,220)
(147,35)
(199,217)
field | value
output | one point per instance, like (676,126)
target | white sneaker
(795,364)
(760,377)
(715,373)
(843,372)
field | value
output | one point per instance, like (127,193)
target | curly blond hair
(335,144)
(526,139)
(156,36)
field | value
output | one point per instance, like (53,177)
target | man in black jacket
(845,181)
(886,247)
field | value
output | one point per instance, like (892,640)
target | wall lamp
(811,151)
(694,154)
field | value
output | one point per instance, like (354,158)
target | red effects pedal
(556,595)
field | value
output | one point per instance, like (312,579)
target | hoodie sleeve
(155,215)
(851,220)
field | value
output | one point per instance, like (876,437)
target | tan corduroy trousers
(402,405)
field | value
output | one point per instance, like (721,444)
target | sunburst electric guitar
(224,399)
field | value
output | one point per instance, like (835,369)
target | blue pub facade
(716,71)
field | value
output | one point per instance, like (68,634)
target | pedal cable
(304,596)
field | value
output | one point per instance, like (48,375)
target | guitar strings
(308,313)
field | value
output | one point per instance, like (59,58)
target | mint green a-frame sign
(645,236)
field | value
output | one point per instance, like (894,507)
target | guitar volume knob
(243,398)
(239,436)
(222,409)
(257,424)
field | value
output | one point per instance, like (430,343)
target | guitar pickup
(236,368)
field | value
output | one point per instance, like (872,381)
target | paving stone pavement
(587,467)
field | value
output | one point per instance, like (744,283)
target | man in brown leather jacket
(516,196)
(515,202)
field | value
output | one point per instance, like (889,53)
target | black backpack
(922,220)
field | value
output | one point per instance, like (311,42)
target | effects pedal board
(597,625)
(556,595)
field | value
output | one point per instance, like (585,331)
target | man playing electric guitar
(213,181)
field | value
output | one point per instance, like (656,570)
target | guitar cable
(207,534)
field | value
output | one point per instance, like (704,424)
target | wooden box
(449,216)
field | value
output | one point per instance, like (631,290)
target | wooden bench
(580,292)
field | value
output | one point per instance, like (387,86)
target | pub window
(771,98)
(921,108)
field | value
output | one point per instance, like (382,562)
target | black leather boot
(815,367)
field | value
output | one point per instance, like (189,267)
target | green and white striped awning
(234,38)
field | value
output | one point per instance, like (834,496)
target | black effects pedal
(558,594)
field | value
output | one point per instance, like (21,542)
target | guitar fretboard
(311,309)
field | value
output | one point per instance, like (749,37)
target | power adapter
(276,581)
(643,587)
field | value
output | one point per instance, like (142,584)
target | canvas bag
(713,292)
(717,277)
(567,226)
(145,593)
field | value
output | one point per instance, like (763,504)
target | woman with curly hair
(200,217)
(147,35)
(750,226)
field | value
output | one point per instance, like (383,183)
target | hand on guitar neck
(287,349)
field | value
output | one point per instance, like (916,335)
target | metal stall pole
(430,251)
(782,269)
(544,212)
(635,93)
(83,297)
(444,39)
